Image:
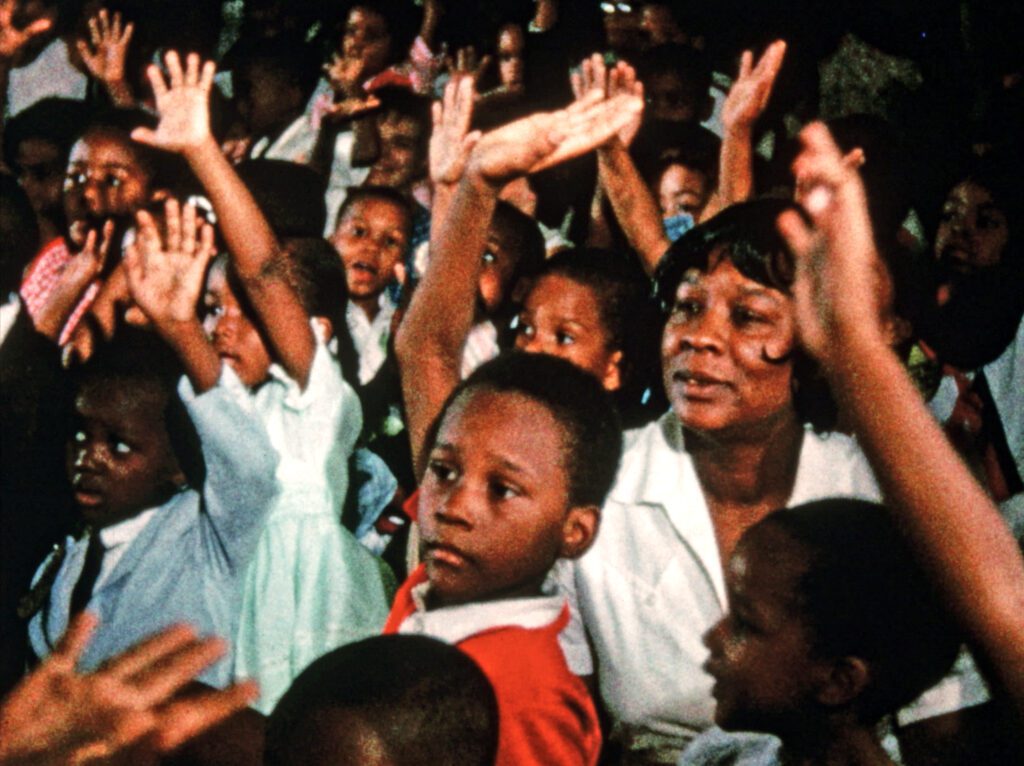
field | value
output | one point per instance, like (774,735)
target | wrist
(202,152)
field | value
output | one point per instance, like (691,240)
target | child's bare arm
(745,103)
(166,279)
(953,525)
(255,253)
(431,338)
(77,276)
(57,715)
(632,201)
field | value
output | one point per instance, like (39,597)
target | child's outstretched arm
(632,201)
(256,256)
(953,525)
(745,103)
(431,338)
(57,715)
(166,278)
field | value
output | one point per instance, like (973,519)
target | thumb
(145,136)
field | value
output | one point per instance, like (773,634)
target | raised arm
(950,520)
(745,103)
(257,259)
(634,205)
(432,336)
(166,277)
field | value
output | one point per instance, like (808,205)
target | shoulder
(833,464)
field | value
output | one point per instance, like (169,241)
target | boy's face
(761,651)
(494,502)
(367,38)
(104,180)
(670,98)
(372,237)
(41,175)
(266,99)
(120,459)
(403,152)
(235,338)
(562,317)
(973,230)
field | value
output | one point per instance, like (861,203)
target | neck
(840,743)
(748,469)
(369,305)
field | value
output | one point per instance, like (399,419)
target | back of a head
(58,121)
(864,596)
(521,235)
(423,702)
(578,403)
(291,196)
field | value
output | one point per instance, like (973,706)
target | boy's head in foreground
(132,444)
(521,459)
(396,700)
(829,619)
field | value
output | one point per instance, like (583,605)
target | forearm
(736,166)
(634,205)
(197,355)
(120,93)
(55,312)
(952,523)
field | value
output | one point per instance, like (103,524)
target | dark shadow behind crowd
(553,382)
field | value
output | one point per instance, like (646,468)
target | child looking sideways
(372,237)
(524,452)
(831,626)
(311,587)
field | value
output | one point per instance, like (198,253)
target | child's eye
(563,338)
(122,448)
(489,258)
(504,490)
(441,470)
(79,437)
(526,329)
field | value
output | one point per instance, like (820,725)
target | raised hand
(749,94)
(13,40)
(451,141)
(467,64)
(183,106)
(166,277)
(839,275)
(106,56)
(545,139)
(594,75)
(58,715)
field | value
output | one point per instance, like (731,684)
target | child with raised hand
(831,627)
(523,454)
(311,586)
(433,334)
(952,525)
(172,524)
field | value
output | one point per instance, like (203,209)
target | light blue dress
(310,587)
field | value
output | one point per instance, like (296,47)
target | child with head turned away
(396,700)
(831,626)
(518,465)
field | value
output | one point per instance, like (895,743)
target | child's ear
(843,681)
(612,380)
(579,530)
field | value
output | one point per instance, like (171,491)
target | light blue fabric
(376,492)
(311,587)
(186,565)
(677,225)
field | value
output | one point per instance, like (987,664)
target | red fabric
(412,505)
(41,278)
(546,715)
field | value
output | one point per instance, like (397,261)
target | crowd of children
(406,381)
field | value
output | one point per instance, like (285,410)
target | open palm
(183,105)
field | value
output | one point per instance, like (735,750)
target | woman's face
(717,351)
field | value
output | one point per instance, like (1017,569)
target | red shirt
(546,715)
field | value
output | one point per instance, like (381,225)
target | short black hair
(627,311)
(287,55)
(863,595)
(523,237)
(58,121)
(291,196)
(317,275)
(19,234)
(395,99)
(140,356)
(692,66)
(747,236)
(593,431)
(428,701)
(386,193)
